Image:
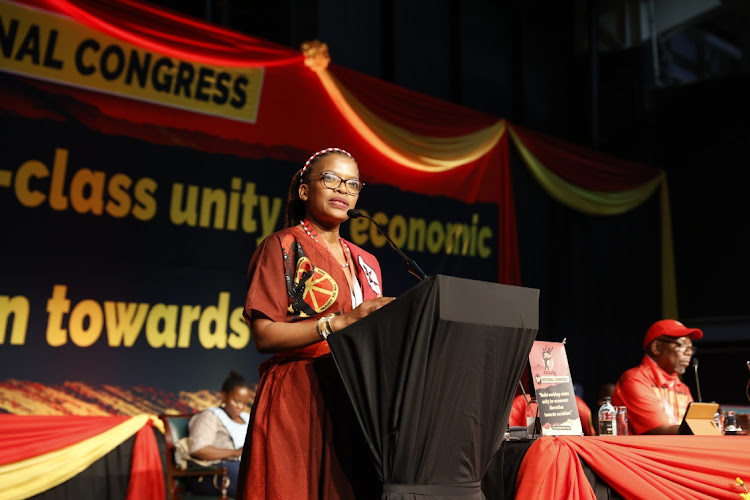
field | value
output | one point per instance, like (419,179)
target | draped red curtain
(584,167)
(171,34)
(146,468)
(418,113)
(26,436)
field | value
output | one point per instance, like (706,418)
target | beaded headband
(319,153)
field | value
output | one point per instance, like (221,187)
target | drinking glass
(621,419)
(730,421)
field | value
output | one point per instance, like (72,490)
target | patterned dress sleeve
(266,279)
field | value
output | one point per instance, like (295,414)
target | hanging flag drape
(600,185)
(40,452)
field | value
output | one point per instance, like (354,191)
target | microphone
(694,364)
(414,269)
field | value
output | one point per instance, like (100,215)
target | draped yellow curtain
(611,203)
(33,476)
(427,154)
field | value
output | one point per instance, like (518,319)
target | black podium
(432,376)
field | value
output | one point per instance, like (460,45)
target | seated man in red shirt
(653,393)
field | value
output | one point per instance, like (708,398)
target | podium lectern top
(471,301)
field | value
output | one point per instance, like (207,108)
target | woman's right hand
(364,309)
(278,336)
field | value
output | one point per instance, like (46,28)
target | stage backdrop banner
(123,264)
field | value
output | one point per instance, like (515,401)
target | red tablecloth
(675,467)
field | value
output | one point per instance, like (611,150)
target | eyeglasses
(333,181)
(680,346)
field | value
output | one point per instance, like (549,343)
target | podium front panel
(431,377)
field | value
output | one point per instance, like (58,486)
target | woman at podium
(304,283)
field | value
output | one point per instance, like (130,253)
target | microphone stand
(412,266)
(697,381)
(525,396)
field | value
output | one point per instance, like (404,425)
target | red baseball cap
(670,328)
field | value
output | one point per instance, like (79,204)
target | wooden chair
(176,428)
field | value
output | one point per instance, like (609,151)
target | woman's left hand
(364,309)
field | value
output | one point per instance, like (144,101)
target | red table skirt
(674,467)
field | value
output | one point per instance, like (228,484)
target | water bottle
(607,422)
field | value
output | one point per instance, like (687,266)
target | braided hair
(295,208)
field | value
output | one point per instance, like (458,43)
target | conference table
(672,467)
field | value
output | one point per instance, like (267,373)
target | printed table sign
(558,412)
